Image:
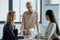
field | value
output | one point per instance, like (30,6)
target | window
(3,9)
(3,14)
(20,7)
(16,8)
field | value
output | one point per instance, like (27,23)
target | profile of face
(29,7)
(14,16)
(47,17)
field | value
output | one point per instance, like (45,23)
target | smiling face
(11,16)
(14,16)
(29,6)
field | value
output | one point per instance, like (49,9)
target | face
(29,7)
(14,16)
(47,17)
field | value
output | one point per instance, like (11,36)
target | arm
(53,30)
(22,25)
(37,23)
(15,31)
(10,31)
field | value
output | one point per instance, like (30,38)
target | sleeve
(37,23)
(22,25)
(53,30)
(11,32)
(16,32)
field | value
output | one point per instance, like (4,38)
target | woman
(52,29)
(9,30)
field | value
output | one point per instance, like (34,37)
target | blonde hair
(28,3)
(10,17)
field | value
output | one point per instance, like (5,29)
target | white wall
(54,1)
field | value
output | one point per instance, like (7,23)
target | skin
(14,16)
(47,17)
(14,19)
(29,7)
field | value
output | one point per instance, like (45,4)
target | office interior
(41,6)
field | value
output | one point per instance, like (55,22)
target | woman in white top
(52,29)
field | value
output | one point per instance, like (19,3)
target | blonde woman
(9,30)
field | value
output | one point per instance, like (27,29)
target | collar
(28,12)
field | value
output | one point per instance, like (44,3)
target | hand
(14,27)
(50,39)
(21,33)
(27,36)
(42,34)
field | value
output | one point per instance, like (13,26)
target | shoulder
(7,25)
(54,25)
(25,12)
(36,13)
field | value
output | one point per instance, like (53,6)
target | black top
(9,33)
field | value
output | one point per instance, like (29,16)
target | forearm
(37,23)
(37,26)
(52,31)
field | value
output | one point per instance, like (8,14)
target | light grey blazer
(51,31)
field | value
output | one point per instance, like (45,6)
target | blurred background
(41,6)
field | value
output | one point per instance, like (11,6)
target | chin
(14,18)
(47,19)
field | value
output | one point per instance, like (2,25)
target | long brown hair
(10,17)
(51,15)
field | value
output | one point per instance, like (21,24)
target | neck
(30,11)
(12,24)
